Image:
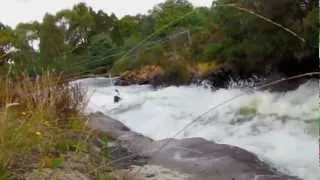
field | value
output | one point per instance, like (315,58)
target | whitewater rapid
(281,128)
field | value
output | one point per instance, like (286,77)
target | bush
(40,119)
(205,68)
(175,73)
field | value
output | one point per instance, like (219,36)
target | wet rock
(220,78)
(205,159)
(274,177)
(117,153)
(150,175)
(285,85)
(112,126)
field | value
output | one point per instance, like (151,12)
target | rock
(216,78)
(150,175)
(130,158)
(273,177)
(143,75)
(221,77)
(153,75)
(284,86)
(204,159)
(154,172)
(112,126)
(76,161)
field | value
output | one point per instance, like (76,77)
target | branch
(263,18)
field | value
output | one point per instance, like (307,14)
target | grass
(40,120)
(53,163)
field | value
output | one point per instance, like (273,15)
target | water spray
(214,108)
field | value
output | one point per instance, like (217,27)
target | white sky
(14,11)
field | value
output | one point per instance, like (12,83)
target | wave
(281,128)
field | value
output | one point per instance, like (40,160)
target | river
(281,128)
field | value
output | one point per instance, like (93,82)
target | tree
(255,43)
(101,51)
(7,43)
(252,36)
(52,44)
(77,24)
(130,26)
(169,11)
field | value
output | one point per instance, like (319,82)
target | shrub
(175,73)
(206,67)
(40,118)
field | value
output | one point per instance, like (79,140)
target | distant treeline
(260,36)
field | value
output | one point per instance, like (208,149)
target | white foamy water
(281,128)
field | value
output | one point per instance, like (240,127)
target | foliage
(51,40)
(205,68)
(81,40)
(175,73)
(37,108)
(41,120)
(257,43)
(101,48)
(165,13)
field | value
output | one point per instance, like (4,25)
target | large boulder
(221,77)
(282,83)
(204,159)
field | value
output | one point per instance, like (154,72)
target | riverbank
(214,76)
(61,145)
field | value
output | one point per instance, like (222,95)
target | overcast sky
(14,11)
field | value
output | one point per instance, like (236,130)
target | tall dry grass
(38,120)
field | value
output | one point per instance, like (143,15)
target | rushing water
(281,128)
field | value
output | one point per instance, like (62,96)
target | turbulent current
(281,128)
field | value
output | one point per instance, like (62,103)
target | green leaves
(256,40)
(9,43)
(52,43)
(78,23)
(81,39)
(130,25)
(100,49)
(169,11)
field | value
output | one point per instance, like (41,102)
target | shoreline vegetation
(44,133)
(248,38)
(43,130)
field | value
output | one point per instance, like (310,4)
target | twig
(263,18)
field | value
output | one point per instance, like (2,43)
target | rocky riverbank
(193,158)
(218,77)
(130,155)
